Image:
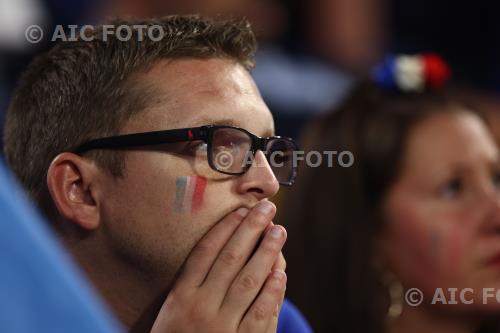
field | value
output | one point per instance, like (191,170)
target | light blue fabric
(40,288)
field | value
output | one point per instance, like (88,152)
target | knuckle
(248,282)
(230,257)
(276,288)
(233,219)
(269,248)
(204,247)
(276,285)
(259,313)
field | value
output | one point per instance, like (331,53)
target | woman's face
(443,213)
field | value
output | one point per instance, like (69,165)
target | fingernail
(276,232)
(243,212)
(265,207)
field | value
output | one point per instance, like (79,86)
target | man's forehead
(191,93)
(211,76)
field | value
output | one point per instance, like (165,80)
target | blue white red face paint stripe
(189,193)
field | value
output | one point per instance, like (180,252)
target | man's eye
(195,149)
(280,157)
(451,189)
(200,148)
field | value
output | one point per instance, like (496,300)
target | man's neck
(420,319)
(135,299)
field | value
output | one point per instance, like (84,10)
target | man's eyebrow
(231,122)
(268,132)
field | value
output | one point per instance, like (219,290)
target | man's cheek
(189,194)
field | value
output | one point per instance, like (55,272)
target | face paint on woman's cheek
(436,236)
(435,240)
(189,193)
(447,248)
(455,248)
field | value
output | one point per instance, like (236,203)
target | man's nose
(259,179)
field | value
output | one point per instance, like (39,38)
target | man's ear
(71,183)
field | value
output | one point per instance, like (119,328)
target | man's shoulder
(291,320)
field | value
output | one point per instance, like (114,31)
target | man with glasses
(151,158)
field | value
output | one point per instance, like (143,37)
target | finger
(273,325)
(262,313)
(280,263)
(248,283)
(203,255)
(238,249)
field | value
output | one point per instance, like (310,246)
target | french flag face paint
(189,193)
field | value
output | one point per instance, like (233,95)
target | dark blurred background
(310,51)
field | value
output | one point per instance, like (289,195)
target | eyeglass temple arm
(144,139)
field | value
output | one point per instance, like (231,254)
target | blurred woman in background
(416,215)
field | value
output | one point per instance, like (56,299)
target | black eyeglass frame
(203,133)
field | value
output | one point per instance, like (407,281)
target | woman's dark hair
(332,215)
